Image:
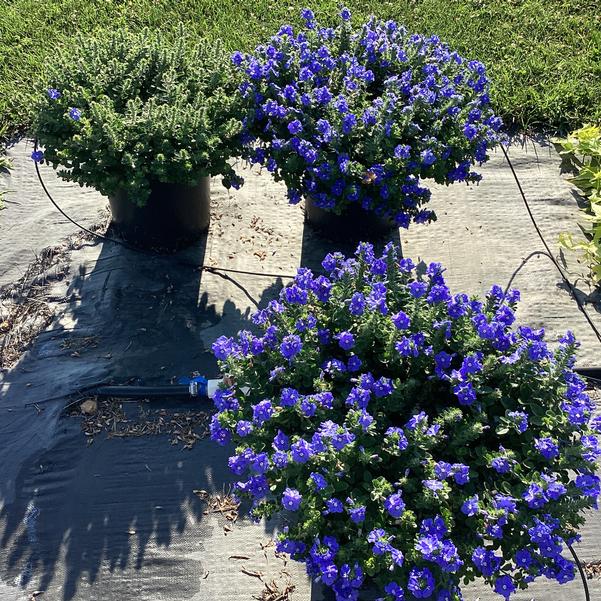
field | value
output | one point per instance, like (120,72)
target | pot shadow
(316,244)
(76,514)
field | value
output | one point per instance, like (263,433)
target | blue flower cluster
(363,116)
(413,436)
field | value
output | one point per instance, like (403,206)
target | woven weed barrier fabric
(104,506)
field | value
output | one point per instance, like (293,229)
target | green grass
(543,56)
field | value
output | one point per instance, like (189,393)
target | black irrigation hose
(81,227)
(123,392)
(587,594)
(222,271)
(549,253)
(214,270)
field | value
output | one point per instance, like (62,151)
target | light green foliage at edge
(581,152)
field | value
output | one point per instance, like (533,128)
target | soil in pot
(355,224)
(174,216)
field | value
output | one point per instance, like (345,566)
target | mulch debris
(276,589)
(25,309)
(108,416)
(592,569)
(224,504)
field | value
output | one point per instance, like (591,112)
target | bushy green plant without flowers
(127,109)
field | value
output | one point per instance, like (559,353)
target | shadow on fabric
(77,517)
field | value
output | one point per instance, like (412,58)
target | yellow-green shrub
(581,152)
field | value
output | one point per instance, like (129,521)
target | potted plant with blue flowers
(411,438)
(355,120)
(145,120)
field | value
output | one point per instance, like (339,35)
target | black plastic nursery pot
(174,215)
(355,223)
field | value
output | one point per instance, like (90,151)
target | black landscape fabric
(129,500)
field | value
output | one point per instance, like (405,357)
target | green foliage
(544,56)
(151,109)
(581,152)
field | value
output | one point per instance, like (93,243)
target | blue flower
(427,157)
(501,465)
(223,347)
(434,485)
(349,121)
(281,442)
(323,95)
(291,499)
(523,558)
(75,114)
(588,484)
(470,506)
(260,463)
(220,435)
(357,514)
(333,506)
(319,481)
(471,364)
(535,496)
(53,93)
(307,14)
(461,473)
(401,320)
(465,393)
(345,14)
(393,589)
(395,505)
(37,156)
(289,397)
(486,561)
(295,127)
(421,583)
(346,340)
(380,541)
(341,104)
(547,447)
(417,289)
(262,412)
(244,428)
(291,346)
(504,586)
(470,131)
(442,470)
(520,420)
(301,451)
(402,151)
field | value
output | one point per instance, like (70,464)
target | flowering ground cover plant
(365,115)
(129,109)
(413,438)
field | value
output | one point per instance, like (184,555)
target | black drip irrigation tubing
(142,392)
(215,270)
(223,271)
(587,594)
(549,254)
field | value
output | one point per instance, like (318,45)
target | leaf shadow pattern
(119,515)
